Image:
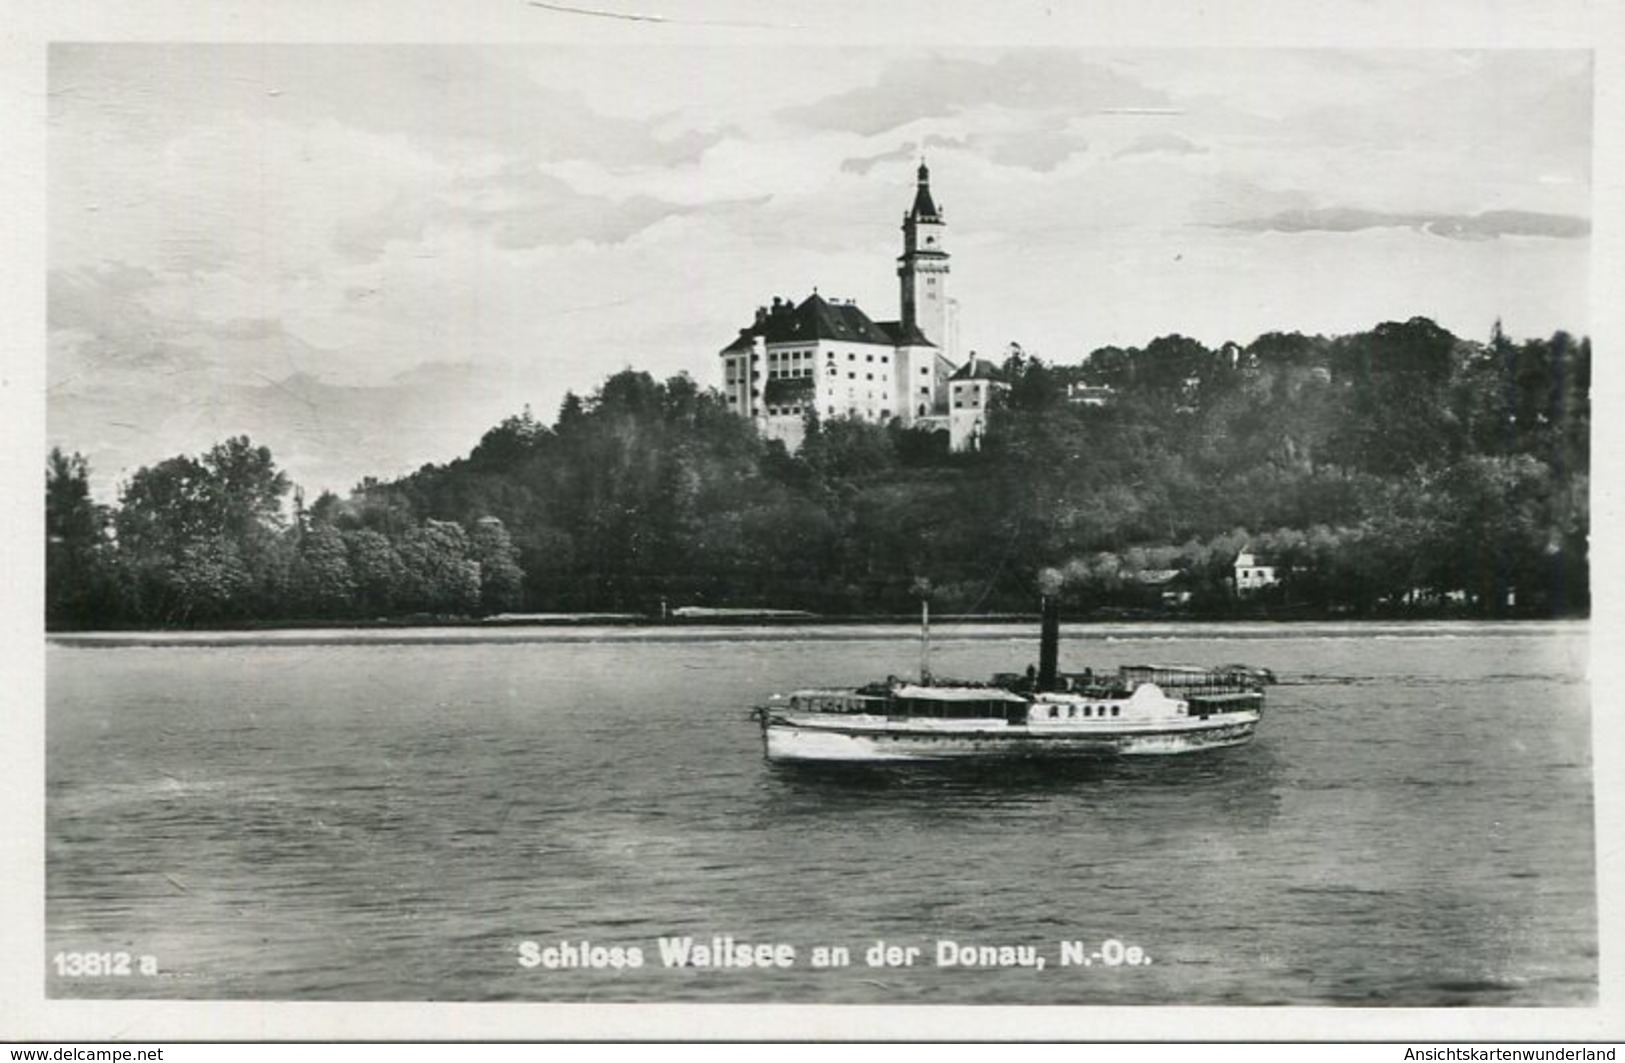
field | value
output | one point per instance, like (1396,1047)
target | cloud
(111,331)
(1162,144)
(446,98)
(903,152)
(331,436)
(1487,225)
(1039,149)
(517,210)
(1038,143)
(940,87)
(326,436)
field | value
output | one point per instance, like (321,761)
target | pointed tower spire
(925,208)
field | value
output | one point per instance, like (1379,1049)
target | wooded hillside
(1399,470)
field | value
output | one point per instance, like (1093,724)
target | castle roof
(1248,558)
(819,319)
(743,344)
(978,368)
(904,335)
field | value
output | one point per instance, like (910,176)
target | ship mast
(922,587)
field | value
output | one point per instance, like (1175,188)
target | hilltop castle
(828,356)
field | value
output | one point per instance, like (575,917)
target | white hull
(880,739)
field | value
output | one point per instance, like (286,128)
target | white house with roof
(1254,572)
(970,395)
(827,356)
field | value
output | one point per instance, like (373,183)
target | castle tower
(923,271)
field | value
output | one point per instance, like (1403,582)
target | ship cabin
(908,701)
(958,703)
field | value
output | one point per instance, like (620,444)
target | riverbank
(770,618)
(824,630)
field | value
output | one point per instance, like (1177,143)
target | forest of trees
(1391,472)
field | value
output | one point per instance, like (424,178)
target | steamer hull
(788,739)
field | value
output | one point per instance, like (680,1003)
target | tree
(1173,366)
(1399,416)
(200,538)
(501,578)
(163,508)
(76,546)
(437,574)
(325,586)
(508,444)
(208,581)
(244,488)
(376,568)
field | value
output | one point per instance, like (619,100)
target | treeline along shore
(1401,471)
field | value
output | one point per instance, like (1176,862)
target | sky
(366,255)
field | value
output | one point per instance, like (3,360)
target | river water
(393,815)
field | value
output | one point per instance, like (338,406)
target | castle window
(869,376)
(851,376)
(925,391)
(869,358)
(851,357)
(924,371)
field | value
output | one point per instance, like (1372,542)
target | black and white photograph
(1024,517)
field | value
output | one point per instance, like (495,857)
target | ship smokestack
(1049,642)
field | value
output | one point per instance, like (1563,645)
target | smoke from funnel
(1050,582)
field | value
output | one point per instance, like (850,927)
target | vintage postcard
(654,516)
